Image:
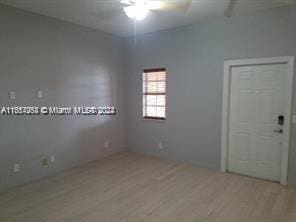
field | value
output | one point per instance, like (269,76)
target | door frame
(289,61)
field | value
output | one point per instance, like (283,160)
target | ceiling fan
(139,9)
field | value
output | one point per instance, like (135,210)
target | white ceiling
(98,14)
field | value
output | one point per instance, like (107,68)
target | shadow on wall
(72,66)
(72,139)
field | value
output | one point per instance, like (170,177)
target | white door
(257,115)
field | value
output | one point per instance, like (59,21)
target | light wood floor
(130,187)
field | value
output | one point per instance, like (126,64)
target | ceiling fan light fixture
(137,11)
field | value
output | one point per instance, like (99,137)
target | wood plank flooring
(130,187)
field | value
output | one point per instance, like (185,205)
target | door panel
(243,146)
(266,106)
(257,98)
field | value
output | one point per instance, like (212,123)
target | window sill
(157,120)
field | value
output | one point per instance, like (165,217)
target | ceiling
(99,14)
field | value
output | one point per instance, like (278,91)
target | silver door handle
(279,131)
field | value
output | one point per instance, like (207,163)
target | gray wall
(73,66)
(194,57)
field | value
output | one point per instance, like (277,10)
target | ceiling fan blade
(174,5)
(231,6)
(125,2)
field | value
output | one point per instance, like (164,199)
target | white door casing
(257,99)
(255,93)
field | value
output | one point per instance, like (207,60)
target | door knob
(279,131)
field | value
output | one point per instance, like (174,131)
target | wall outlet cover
(12,95)
(52,159)
(160,146)
(106,144)
(39,94)
(16,167)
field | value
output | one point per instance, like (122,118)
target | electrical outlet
(12,95)
(160,146)
(39,94)
(52,159)
(106,144)
(44,162)
(16,167)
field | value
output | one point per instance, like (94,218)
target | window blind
(154,93)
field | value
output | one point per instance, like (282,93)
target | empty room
(147,111)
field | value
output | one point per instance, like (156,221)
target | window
(154,94)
